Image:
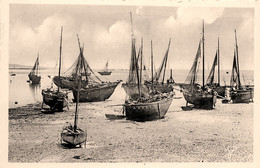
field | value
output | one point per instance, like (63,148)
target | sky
(106,34)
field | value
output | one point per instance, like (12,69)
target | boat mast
(37,64)
(238,73)
(77,102)
(203,82)
(218,64)
(60,55)
(140,93)
(152,63)
(166,61)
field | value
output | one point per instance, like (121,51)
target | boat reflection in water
(35,90)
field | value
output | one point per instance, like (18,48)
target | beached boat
(95,93)
(194,93)
(34,76)
(95,89)
(56,99)
(238,92)
(150,106)
(159,78)
(210,81)
(105,71)
(73,135)
(92,87)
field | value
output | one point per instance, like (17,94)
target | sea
(21,92)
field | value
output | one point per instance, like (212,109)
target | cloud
(189,15)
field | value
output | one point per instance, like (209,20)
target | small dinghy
(73,135)
(187,108)
(115,116)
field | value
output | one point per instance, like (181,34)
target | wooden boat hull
(147,111)
(67,83)
(96,93)
(34,79)
(105,73)
(220,90)
(56,101)
(201,100)
(74,138)
(114,116)
(242,96)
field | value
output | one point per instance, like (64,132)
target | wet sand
(224,134)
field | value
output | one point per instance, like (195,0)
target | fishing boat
(153,107)
(238,92)
(95,89)
(105,71)
(159,85)
(198,95)
(171,80)
(55,99)
(34,76)
(73,135)
(150,106)
(69,80)
(210,81)
(131,87)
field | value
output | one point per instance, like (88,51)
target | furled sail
(192,76)
(235,82)
(211,76)
(162,67)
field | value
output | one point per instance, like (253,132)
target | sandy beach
(224,134)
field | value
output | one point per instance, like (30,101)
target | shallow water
(21,92)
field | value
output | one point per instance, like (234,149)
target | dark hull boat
(220,90)
(67,83)
(34,77)
(147,105)
(92,87)
(147,111)
(239,93)
(72,137)
(95,93)
(201,100)
(242,96)
(195,94)
(105,73)
(54,99)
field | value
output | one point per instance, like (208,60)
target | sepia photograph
(130,82)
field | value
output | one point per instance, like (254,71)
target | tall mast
(37,64)
(238,72)
(77,103)
(218,64)
(60,55)
(141,66)
(203,82)
(152,63)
